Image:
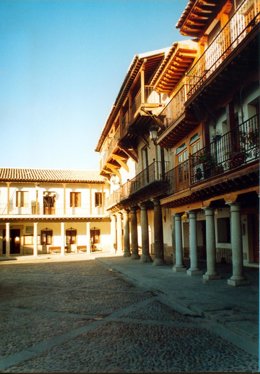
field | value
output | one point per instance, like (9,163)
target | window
(49,199)
(75,199)
(21,199)
(71,236)
(223,227)
(99,198)
(95,236)
(46,237)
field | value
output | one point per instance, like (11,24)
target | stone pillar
(210,246)
(35,238)
(178,244)
(193,270)
(62,235)
(158,234)
(134,238)
(119,233)
(1,242)
(113,233)
(145,257)
(88,241)
(7,239)
(237,278)
(126,234)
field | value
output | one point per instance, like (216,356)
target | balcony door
(49,202)
(145,165)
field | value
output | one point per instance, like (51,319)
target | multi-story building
(186,164)
(52,211)
(215,138)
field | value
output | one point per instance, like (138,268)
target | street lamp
(153,133)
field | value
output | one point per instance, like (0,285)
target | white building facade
(52,211)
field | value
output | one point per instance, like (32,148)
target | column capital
(231,198)
(156,201)
(143,206)
(208,211)
(192,214)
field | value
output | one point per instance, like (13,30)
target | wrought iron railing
(229,151)
(229,37)
(178,178)
(224,154)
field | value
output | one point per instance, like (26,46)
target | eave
(174,66)
(197,16)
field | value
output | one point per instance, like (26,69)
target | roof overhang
(197,16)
(174,66)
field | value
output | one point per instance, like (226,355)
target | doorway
(15,241)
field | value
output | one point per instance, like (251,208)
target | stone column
(119,232)
(158,234)
(1,242)
(126,234)
(62,235)
(88,237)
(210,246)
(113,233)
(35,238)
(178,244)
(134,239)
(7,239)
(237,278)
(193,270)
(145,257)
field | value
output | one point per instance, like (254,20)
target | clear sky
(62,63)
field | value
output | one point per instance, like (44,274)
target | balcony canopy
(149,61)
(197,16)
(175,64)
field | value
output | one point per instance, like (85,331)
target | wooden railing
(150,97)
(230,36)
(175,108)
(110,147)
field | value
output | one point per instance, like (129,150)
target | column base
(237,281)
(127,254)
(208,277)
(135,256)
(192,272)
(178,269)
(145,258)
(158,262)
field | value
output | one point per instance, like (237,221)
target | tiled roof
(49,175)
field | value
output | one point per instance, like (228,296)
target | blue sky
(62,64)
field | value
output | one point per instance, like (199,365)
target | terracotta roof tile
(49,175)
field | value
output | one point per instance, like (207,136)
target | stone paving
(84,317)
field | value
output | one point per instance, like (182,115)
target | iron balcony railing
(153,173)
(224,154)
(150,97)
(228,39)
(236,148)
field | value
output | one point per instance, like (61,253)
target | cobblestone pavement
(84,317)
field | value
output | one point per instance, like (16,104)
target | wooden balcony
(145,100)
(111,146)
(148,183)
(224,47)
(230,155)
(177,119)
